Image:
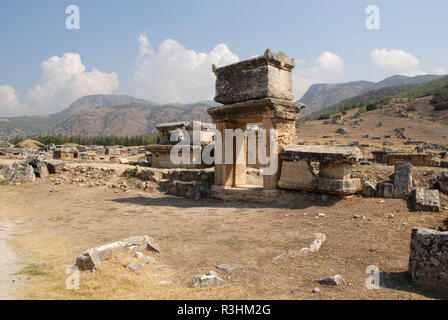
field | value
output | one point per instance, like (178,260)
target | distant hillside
(437,88)
(320,96)
(130,119)
(104,115)
(93,101)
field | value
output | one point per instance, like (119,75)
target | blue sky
(116,49)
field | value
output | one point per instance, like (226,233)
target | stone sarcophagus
(266,76)
(335,169)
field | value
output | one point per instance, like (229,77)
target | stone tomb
(171,134)
(335,169)
(257,90)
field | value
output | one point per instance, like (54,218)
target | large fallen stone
(231,267)
(428,259)
(441,182)
(91,258)
(369,188)
(42,170)
(211,279)
(403,180)
(28,174)
(424,200)
(385,189)
(54,166)
(331,280)
(21,174)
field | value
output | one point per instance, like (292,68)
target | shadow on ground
(402,281)
(288,202)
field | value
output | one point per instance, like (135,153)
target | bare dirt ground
(52,228)
(422,124)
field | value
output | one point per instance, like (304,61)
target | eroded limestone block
(54,166)
(385,189)
(442,182)
(42,170)
(322,154)
(369,188)
(403,180)
(91,258)
(331,280)
(428,259)
(335,170)
(211,279)
(267,76)
(316,244)
(424,200)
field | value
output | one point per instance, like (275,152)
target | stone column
(286,130)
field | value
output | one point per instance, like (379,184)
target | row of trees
(127,141)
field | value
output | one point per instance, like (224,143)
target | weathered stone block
(211,279)
(385,189)
(442,182)
(323,154)
(403,180)
(267,76)
(369,188)
(54,166)
(424,200)
(428,259)
(91,258)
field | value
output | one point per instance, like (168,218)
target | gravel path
(9,263)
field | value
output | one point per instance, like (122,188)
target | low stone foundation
(188,183)
(416,159)
(428,260)
(244,194)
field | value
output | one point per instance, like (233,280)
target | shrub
(372,106)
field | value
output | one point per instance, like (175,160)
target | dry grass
(195,236)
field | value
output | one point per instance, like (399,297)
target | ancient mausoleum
(177,133)
(257,90)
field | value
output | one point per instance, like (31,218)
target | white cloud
(65,79)
(10,104)
(328,67)
(173,73)
(440,71)
(398,61)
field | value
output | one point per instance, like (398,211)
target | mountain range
(121,115)
(100,115)
(319,96)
